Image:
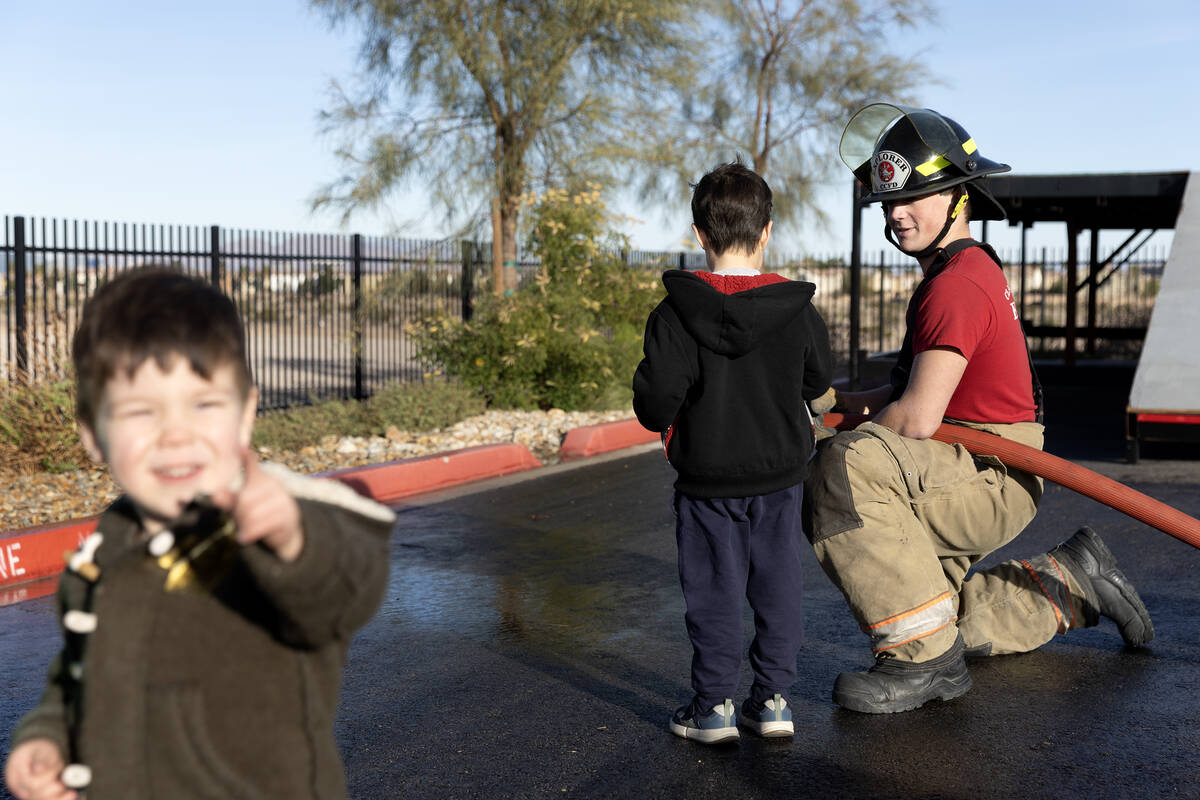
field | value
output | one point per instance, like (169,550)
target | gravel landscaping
(45,499)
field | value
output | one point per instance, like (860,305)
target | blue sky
(205,113)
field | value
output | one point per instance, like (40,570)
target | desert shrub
(37,426)
(38,432)
(411,407)
(302,426)
(423,406)
(571,337)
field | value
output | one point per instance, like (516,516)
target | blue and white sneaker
(718,725)
(770,719)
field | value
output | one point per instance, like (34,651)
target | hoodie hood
(733,315)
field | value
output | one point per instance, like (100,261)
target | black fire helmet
(898,152)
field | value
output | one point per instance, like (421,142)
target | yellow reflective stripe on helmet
(969,146)
(932,165)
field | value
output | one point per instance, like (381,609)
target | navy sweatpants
(741,547)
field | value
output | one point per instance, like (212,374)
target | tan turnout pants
(896,524)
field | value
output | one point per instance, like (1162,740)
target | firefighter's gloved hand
(821,406)
(825,403)
(820,431)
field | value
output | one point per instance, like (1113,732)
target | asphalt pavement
(532,645)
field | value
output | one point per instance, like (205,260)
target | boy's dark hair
(159,313)
(731,205)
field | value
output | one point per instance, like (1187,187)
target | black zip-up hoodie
(729,362)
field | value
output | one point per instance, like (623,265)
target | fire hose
(1071,476)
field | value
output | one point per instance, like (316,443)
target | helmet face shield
(863,131)
(900,151)
(869,124)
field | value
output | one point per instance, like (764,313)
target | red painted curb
(30,554)
(33,554)
(591,440)
(396,479)
(42,587)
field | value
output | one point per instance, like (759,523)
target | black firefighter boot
(892,685)
(1107,592)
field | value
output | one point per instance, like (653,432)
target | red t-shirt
(968,306)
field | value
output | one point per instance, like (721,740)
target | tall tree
(784,77)
(483,98)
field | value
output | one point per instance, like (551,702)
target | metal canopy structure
(1144,202)
(1130,200)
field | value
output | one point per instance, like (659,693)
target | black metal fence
(1103,314)
(327,314)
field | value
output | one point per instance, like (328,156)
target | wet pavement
(532,645)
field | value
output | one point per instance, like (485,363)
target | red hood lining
(732,284)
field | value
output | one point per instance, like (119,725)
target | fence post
(1072,262)
(1042,302)
(855,282)
(467,250)
(214,255)
(1093,286)
(356,272)
(1024,259)
(21,327)
(682,260)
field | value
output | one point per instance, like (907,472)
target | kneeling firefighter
(896,518)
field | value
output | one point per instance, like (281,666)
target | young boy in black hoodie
(731,356)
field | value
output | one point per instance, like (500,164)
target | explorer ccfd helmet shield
(899,152)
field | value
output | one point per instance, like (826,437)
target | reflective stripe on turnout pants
(896,523)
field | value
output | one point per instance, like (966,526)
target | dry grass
(38,433)
(37,426)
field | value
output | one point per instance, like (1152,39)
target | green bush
(302,426)
(569,339)
(37,426)
(409,407)
(38,432)
(423,406)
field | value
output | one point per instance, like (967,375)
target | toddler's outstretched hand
(263,510)
(33,771)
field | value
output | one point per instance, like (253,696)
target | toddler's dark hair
(159,313)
